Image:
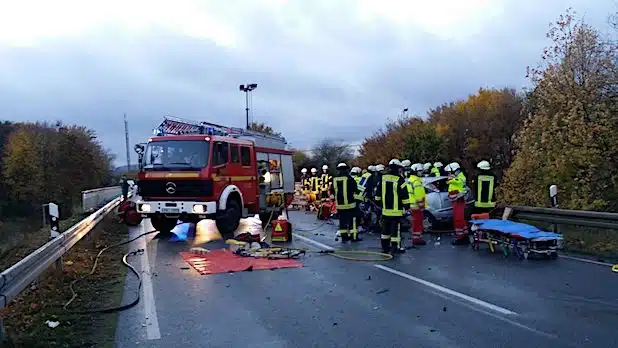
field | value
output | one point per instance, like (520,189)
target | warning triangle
(278,228)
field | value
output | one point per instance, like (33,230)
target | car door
(220,168)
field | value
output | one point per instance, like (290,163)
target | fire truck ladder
(177,126)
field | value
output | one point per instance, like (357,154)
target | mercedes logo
(170,188)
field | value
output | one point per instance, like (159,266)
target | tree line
(43,162)
(562,130)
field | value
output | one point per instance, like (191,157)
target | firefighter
(484,189)
(371,182)
(416,191)
(427,169)
(406,167)
(392,192)
(124,183)
(437,169)
(457,194)
(326,182)
(314,189)
(304,179)
(359,197)
(343,189)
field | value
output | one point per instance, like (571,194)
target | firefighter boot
(386,243)
(345,236)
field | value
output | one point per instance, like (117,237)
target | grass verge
(18,238)
(26,317)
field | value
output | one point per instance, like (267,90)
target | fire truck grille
(175,188)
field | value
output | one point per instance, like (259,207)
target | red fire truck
(192,171)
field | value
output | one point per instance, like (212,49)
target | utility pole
(126,139)
(247,88)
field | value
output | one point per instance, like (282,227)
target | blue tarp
(515,228)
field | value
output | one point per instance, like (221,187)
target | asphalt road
(434,296)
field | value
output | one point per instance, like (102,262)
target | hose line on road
(346,255)
(93,270)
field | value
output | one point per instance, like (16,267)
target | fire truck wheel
(228,220)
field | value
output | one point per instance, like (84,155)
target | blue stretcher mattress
(515,229)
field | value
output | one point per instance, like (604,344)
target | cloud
(323,68)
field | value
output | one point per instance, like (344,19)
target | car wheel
(428,222)
(228,220)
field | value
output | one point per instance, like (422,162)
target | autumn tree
(330,152)
(263,128)
(481,127)
(571,138)
(44,163)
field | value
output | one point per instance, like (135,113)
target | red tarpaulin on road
(223,261)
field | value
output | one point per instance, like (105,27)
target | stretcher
(508,236)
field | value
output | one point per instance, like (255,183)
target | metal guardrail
(15,279)
(95,198)
(566,217)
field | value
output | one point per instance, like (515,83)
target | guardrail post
(1,331)
(54,231)
(553,197)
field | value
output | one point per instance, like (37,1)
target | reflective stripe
(341,197)
(483,199)
(385,236)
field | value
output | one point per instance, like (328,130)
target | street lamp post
(247,88)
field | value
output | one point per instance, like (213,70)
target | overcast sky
(324,68)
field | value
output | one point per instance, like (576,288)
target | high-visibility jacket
(485,183)
(457,183)
(325,182)
(360,195)
(305,181)
(435,171)
(344,189)
(314,183)
(416,191)
(392,191)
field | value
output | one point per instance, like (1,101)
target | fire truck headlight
(198,209)
(145,208)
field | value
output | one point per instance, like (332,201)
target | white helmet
(340,165)
(406,163)
(371,168)
(454,166)
(355,170)
(304,170)
(417,167)
(427,166)
(394,162)
(438,164)
(484,165)
(325,167)
(313,170)
(380,167)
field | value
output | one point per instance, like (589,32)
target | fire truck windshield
(176,155)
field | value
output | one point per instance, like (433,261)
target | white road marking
(585,260)
(150,309)
(448,291)
(314,242)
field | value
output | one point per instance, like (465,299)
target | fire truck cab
(192,171)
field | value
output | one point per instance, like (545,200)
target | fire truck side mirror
(139,148)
